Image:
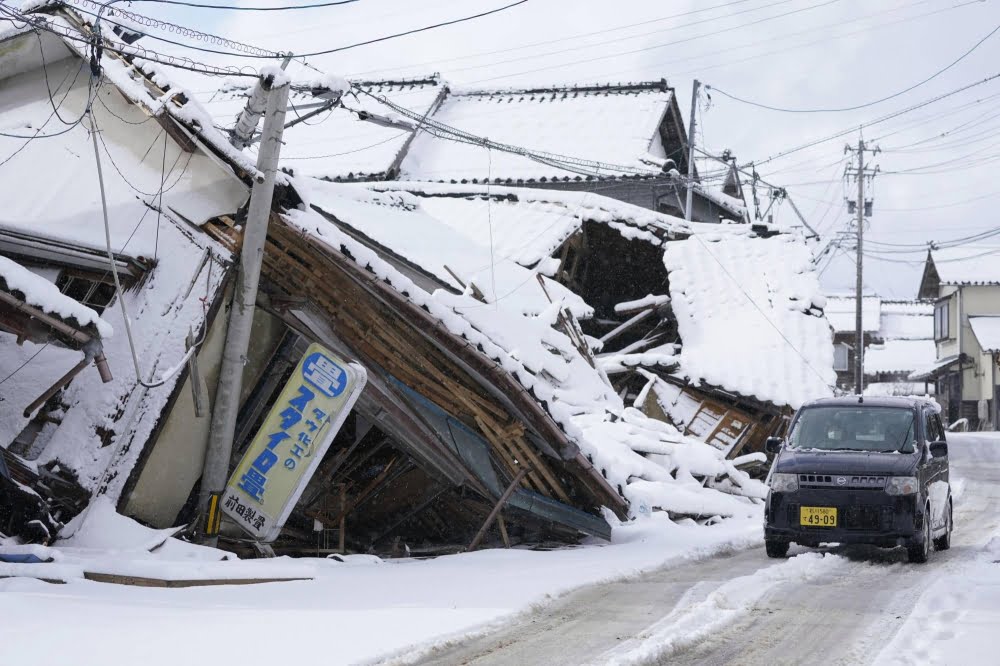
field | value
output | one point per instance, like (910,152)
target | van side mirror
(773,445)
(939,449)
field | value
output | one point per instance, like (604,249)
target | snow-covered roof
(840,310)
(748,316)
(336,144)
(39,293)
(453,239)
(987,332)
(617,125)
(900,356)
(968,265)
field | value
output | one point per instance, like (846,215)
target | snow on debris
(615,125)
(747,317)
(987,332)
(45,296)
(636,454)
(900,356)
(968,265)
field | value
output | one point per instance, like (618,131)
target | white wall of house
(977,381)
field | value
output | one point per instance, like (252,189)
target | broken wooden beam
(499,507)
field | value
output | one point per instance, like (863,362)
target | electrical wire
(866,104)
(347,47)
(127,50)
(658,46)
(575,37)
(95,130)
(25,364)
(292,8)
(876,121)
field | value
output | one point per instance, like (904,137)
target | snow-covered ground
(696,608)
(356,611)
(955,620)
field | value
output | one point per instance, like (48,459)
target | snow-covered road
(854,605)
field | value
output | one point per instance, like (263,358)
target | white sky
(823,53)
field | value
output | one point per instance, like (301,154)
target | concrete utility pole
(690,185)
(859,339)
(861,172)
(227,396)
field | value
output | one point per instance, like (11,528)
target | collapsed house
(561,355)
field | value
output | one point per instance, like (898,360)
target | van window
(848,428)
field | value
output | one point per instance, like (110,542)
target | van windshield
(854,428)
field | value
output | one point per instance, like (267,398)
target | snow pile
(39,293)
(640,457)
(748,317)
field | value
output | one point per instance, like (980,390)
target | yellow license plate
(818,516)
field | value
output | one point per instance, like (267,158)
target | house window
(840,360)
(91,291)
(942,320)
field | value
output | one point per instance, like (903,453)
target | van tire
(776,549)
(943,542)
(919,552)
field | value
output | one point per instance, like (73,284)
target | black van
(861,470)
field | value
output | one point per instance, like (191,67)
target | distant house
(899,340)
(964,283)
(623,141)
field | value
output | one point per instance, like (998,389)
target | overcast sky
(799,54)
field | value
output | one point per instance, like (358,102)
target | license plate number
(818,516)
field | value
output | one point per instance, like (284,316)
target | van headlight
(784,483)
(901,485)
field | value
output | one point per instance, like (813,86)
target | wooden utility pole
(690,183)
(227,396)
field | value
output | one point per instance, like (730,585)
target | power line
(270,55)
(657,46)
(127,50)
(23,365)
(563,39)
(867,104)
(292,8)
(876,121)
